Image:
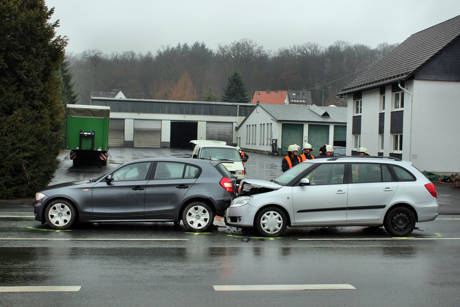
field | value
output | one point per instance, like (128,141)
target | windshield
(290,174)
(219,154)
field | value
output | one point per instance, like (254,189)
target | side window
(366,173)
(386,175)
(191,172)
(169,170)
(402,174)
(327,173)
(132,172)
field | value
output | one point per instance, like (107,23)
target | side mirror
(109,179)
(304,181)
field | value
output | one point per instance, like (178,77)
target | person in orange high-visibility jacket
(292,159)
(306,155)
(244,156)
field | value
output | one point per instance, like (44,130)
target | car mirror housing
(304,181)
(109,179)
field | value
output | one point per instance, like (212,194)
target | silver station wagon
(340,191)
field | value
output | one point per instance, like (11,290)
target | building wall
(436,140)
(252,127)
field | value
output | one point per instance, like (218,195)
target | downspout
(411,118)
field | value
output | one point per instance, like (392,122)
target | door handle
(182,186)
(340,192)
(138,188)
(387,189)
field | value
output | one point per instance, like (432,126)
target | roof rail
(364,157)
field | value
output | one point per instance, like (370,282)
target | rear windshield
(223,170)
(220,154)
(292,173)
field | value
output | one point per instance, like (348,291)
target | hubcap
(197,217)
(271,222)
(401,222)
(60,214)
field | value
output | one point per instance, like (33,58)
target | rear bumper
(427,211)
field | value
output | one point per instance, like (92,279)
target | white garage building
(166,123)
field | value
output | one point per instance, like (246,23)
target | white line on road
(87,239)
(40,289)
(377,239)
(448,219)
(16,216)
(283,287)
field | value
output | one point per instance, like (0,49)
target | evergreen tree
(67,92)
(31,112)
(236,90)
(210,96)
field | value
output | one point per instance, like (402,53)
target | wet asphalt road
(159,264)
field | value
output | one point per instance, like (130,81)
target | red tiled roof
(269,97)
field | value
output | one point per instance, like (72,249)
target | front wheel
(60,214)
(197,217)
(271,222)
(400,221)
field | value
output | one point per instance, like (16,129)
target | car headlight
(39,196)
(240,201)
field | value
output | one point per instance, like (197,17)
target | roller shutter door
(147,133)
(116,132)
(318,135)
(219,132)
(291,134)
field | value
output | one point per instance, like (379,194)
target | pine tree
(67,92)
(31,112)
(236,90)
(210,96)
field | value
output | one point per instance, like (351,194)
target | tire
(400,221)
(60,214)
(271,222)
(197,217)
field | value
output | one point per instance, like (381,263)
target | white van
(220,151)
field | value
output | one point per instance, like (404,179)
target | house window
(381,142)
(262,134)
(358,106)
(356,141)
(382,103)
(397,142)
(398,100)
(254,135)
(269,131)
(247,135)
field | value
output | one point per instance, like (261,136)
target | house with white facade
(283,125)
(408,104)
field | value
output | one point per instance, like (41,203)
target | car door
(121,198)
(324,200)
(167,188)
(370,191)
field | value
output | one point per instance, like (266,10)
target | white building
(292,124)
(408,104)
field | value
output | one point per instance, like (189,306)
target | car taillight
(432,189)
(227,184)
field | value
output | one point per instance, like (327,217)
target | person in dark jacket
(292,158)
(322,152)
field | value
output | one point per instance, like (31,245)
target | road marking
(283,287)
(49,230)
(199,233)
(448,219)
(86,239)
(40,289)
(380,239)
(16,216)
(254,238)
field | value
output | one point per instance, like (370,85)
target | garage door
(116,132)
(219,132)
(291,134)
(318,135)
(147,133)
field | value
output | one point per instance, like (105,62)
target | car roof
(181,160)
(368,159)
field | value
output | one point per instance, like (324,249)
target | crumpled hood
(256,186)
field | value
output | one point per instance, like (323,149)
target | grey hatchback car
(156,190)
(340,191)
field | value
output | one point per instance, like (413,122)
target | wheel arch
(401,204)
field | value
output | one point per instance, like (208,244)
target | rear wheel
(197,216)
(400,221)
(271,222)
(60,214)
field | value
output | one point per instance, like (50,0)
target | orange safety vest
(304,157)
(289,162)
(242,154)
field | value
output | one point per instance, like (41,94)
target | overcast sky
(147,25)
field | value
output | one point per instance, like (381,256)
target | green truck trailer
(87,133)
